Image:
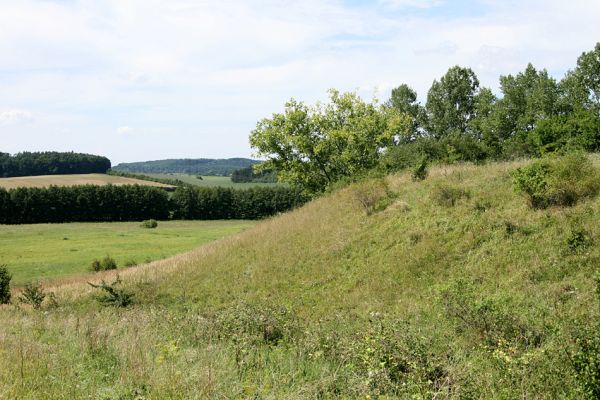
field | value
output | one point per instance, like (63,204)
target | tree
(588,69)
(314,146)
(5,278)
(404,100)
(451,102)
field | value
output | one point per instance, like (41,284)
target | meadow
(73,180)
(450,287)
(47,252)
(223,181)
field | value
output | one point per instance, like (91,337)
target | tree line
(199,166)
(51,163)
(247,175)
(534,114)
(90,203)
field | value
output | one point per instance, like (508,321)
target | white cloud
(206,71)
(14,117)
(123,130)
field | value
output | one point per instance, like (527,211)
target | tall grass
(413,300)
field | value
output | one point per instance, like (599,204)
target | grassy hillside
(73,180)
(198,166)
(50,251)
(365,293)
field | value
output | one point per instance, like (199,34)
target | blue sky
(150,79)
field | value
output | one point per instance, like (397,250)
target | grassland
(223,181)
(73,180)
(480,298)
(50,251)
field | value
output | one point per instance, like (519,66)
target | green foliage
(558,182)
(51,163)
(83,203)
(33,294)
(246,175)
(113,295)
(579,239)
(226,203)
(585,356)
(106,264)
(451,102)
(372,195)
(448,196)
(419,172)
(149,223)
(315,146)
(5,278)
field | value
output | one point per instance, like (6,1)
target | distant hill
(200,166)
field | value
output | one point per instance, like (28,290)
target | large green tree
(451,102)
(404,100)
(314,146)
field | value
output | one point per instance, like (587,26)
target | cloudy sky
(151,79)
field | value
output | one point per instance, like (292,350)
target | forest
(51,163)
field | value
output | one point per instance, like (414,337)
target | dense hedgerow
(83,203)
(139,203)
(226,203)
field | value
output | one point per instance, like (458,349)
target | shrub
(420,171)
(130,263)
(372,195)
(448,196)
(5,278)
(33,294)
(558,182)
(106,264)
(585,357)
(578,239)
(149,223)
(112,295)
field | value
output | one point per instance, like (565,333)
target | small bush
(578,239)
(106,264)
(112,295)
(420,171)
(130,263)
(149,223)
(373,195)
(448,196)
(33,294)
(5,278)
(558,182)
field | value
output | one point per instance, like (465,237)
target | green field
(46,251)
(224,181)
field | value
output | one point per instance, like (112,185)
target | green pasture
(46,251)
(223,181)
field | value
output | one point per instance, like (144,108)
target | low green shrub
(578,239)
(5,278)
(149,223)
(106,264)
(558,181)
(448,196)
(372,195)
(33,294)
(420,171)
(112,294)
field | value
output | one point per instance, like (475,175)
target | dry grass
(74,180)
(354,296)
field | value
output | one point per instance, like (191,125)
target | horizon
(141,81)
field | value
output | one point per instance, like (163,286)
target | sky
(142,80)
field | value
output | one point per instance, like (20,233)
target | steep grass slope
(446,288)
